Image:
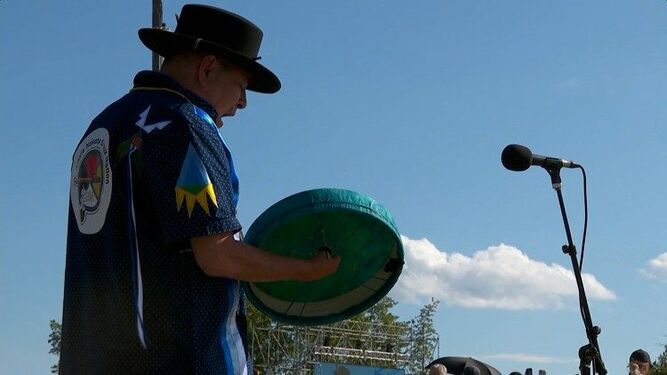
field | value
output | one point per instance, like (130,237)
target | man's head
(209,47)
(640,362)
(438,369)
(221,83)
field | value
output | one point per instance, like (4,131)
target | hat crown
(216,31)
(221,27)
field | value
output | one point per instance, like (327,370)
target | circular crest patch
(90,189)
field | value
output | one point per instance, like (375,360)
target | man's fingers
(326,251)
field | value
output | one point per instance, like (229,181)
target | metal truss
(287,349)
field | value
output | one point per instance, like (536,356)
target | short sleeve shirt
(150,173)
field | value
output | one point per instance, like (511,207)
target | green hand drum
(350,225)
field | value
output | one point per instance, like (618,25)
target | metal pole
(157,24)
(589,354)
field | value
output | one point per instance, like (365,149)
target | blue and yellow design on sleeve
(194,184)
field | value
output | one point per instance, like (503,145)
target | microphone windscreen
(517,158)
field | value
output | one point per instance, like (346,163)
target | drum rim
(283,212)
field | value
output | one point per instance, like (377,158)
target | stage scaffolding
(287,349)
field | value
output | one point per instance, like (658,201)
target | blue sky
(410,103)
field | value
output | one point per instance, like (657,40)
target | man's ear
(204,68)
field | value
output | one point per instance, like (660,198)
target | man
(153,269)
(640,362)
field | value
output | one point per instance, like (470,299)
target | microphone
(519,158)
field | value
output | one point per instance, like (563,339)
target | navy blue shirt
(150,173)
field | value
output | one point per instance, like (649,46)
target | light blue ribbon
(234,178)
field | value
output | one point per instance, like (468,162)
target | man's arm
(221,255)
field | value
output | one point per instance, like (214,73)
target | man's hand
(321,265)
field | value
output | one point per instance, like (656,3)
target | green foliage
(281,346)
(660,364)
(423,338)
(54,341)
(263,342)
(401,344)
(380,315)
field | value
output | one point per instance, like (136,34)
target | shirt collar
(149,78)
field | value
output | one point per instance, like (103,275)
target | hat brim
(167,43)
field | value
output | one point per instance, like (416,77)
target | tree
(376,330)
(54,340)
(660,364)
(380,313)
(423,338)
(268,342)
(384,332)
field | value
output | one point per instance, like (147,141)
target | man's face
(226,89)
(639,368)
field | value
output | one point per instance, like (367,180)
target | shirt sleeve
(187,175)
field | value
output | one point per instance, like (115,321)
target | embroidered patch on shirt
(194,184)
(150,127)
(90,189)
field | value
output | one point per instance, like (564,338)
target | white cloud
(657,268)
(500,277)
(529,358)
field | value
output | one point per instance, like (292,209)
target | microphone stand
(589,354)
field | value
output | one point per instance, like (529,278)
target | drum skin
(349,224)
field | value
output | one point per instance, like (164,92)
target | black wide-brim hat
(219,32)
